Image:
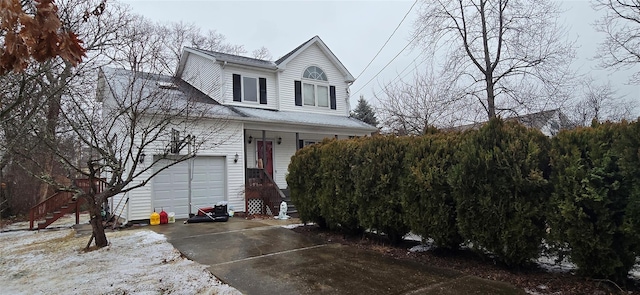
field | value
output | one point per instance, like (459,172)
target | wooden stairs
(59,204)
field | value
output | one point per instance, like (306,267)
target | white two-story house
(277,107)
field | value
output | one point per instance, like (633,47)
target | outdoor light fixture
(235,159)
(250,138)
(142,158)
(279,140)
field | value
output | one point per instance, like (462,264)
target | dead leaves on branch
(35,32)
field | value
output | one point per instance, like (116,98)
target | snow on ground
(137,262)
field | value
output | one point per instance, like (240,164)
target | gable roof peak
(281,62)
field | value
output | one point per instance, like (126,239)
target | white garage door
(171,186)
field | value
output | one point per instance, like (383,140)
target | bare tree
(261,53)
(621,25)
(509,55)
(411,107)
(177,35)
(136,113)
(600,102)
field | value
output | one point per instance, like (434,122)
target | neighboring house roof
(119,81)
(279,64)
(550,122)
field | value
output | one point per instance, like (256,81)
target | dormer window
(249,89)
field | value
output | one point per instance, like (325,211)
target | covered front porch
(267,155)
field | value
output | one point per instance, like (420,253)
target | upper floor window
(314,89)
(314,73)
(249,89)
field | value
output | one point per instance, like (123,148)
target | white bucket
(172,217)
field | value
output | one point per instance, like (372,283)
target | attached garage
(171,186)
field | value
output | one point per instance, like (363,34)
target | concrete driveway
(261,257)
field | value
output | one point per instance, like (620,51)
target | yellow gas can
(155,218)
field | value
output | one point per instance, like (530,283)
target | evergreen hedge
(377,173)
(501,190)
(336,195)
(429,207)
(304,184)
(595,204)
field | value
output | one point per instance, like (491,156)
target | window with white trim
(249,89)
(315,91)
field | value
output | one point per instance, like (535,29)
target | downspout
(189,174)
(349,98)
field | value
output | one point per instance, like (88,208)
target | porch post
(244,153)
(264,149)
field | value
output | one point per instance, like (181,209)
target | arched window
(314,89)
(314,73)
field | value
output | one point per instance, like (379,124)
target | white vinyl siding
(203,74)
(227,87)
(225,143)
(312,56)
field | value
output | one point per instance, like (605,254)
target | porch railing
(263,195)
(62,202)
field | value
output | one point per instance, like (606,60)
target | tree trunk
(491,98)
(54,99)
(96,223)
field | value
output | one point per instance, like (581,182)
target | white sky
(353,30)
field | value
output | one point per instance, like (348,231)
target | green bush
(377,172)
(595,217)
(501,190)
(428,203)
(336,199)
(304,183)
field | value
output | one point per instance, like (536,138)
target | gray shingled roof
(237,59)
(302,118)
(119,80)
(538,120)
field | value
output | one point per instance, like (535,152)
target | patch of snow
(421,248)
(549,264)
(137,261)
(412,237)
(292,226)
(634,273)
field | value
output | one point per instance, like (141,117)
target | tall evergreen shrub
(304,181)
(377,175)
(596,178)
(501,189)
(427,199)
(336,194)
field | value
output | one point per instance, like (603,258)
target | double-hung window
(249,89)
(314,89)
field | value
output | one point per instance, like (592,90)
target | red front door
(267,162)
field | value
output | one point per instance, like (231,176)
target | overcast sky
(353,30)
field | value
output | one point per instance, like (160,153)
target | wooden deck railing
(62,199)
(261,186)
